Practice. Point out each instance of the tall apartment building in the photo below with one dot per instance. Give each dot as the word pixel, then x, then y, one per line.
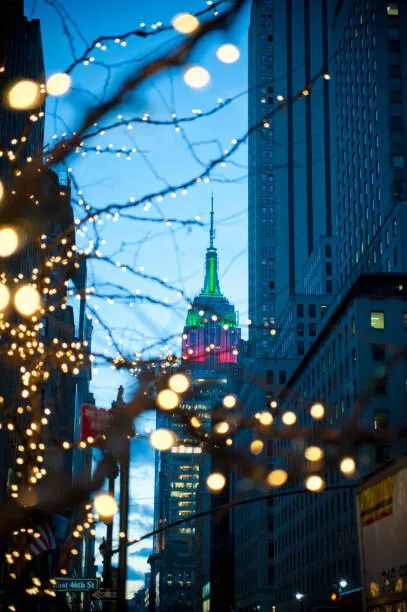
pixel 192 564
pixel 336 159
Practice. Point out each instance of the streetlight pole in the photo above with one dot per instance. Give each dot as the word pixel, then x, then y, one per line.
pixel 124 521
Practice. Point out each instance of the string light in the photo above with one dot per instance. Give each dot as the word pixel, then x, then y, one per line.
pixel 27 300
pixel 216 481
pixel 58 84
pixel 314 483
pixel 256 447
pixel 347 466
pixel 228 53
pixel 162 439
pixel 313 453
pixel 185 23
pixel 167 399
pixel 266 418
pixel 277 478
pixel 4 297
pixel 289 418
pixel 229 401
pixel 317 411
pixel 179 383
pixel 24 95
pixel 8 241
pixel 105 505
pixel 196 77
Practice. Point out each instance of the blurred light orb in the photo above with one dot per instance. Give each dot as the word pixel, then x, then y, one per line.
pixel 289 417
pixel 314 483
pixel 4 297
pixel 256 447
pixel 162 439
pixel 195 422
pixel 105 505
pixel 216 481
pixel 59 84
pixel 221 428
pixel 313 453
pixel 229 401
pixel 185 23
pixel 277 478
pixel 317 410
pixel 266 418
pixel 24 94
pixel 228 53
pixel 179 383
pixel 196 77
pixel 347 465
pixel 167 399
pixel 27 300
pixel 8 241
pixel 273 404
pixel 1 191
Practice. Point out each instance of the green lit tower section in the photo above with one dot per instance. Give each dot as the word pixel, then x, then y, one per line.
pixel 211 336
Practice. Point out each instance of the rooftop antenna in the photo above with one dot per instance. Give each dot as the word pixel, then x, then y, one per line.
pixel 212 230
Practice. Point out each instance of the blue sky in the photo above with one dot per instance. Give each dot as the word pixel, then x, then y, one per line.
pixel 161 157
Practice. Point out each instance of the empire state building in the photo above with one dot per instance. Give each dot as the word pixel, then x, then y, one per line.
pixel 211 335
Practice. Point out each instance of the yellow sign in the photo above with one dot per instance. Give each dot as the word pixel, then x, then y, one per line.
pixel 376 502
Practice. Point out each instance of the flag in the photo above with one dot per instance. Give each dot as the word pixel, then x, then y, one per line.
pixel 45 542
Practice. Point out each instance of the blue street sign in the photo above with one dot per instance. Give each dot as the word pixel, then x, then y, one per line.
pixel 76 584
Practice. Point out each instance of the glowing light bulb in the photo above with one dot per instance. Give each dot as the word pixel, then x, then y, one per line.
pixel 317 410
pixel 256 447
pixel 24 94
pixel 347 465
pixel 221 428
pixel 196 77
pixel 8 241
pixel 289 418
pixel 185 23
pixel 4 297
pixel 313 453
pixel 162 439
pixel 58 84
pixel 229 401
pixel 216 481
pixel 277 478
pixel 167 399
pixel 266 418
pixel 228 53
pixel 105 505
pixel 314 483
pixel 179 383
pixel 27 300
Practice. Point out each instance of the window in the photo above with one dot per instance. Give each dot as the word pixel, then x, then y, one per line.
pixel 281 377
pixel 378 352
pixel 377 319
pixel 382 453
pixel 300 348
pixel 381 419
pixel 392 9
pixel 313 329
pixel 269 377
pixel 312 310
pixel 300 310
pixel 381 387
pixel 405 320
pixel 300 329
pixel 397 161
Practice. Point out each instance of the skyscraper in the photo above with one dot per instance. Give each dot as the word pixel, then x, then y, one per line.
pixel 192 563
pixel 327 205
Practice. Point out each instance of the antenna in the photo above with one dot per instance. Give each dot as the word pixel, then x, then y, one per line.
pixel 212 230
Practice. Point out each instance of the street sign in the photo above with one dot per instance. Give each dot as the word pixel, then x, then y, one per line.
pixel 103 593
pixel 76 584
pixel 95 421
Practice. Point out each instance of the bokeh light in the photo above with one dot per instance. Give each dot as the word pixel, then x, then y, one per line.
pixel 221 428
pixel 27 300
pixel 179 383
pixel 256 447
pixel 216 481
pixel 162 439
pixel 266 418
pixel 1 191
pixel 196 77
pixel 167 399
pixel 185 23
pixel 4 297
pixel 24 95
pixel 229 401
pixel 105 505
pixel 317 410
pixel 228 53
pixel 347 465
pixel 59 84
pixel 313 453
pixel 289 417
pixel 314 483
pixel 8 241
pixel 277 478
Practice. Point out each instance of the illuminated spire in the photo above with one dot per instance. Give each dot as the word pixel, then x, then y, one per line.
pixel 211 285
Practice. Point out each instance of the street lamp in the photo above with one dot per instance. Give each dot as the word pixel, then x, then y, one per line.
pixel 343 583
pixel 300 598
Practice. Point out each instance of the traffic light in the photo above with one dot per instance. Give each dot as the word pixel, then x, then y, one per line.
pixel 334 597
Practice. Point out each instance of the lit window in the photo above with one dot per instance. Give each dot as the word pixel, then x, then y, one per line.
pixel 392 9
pixel 405 320
pixel 381 420
pixel 377 320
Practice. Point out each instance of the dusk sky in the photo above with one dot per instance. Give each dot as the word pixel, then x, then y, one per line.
pixel 163 157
